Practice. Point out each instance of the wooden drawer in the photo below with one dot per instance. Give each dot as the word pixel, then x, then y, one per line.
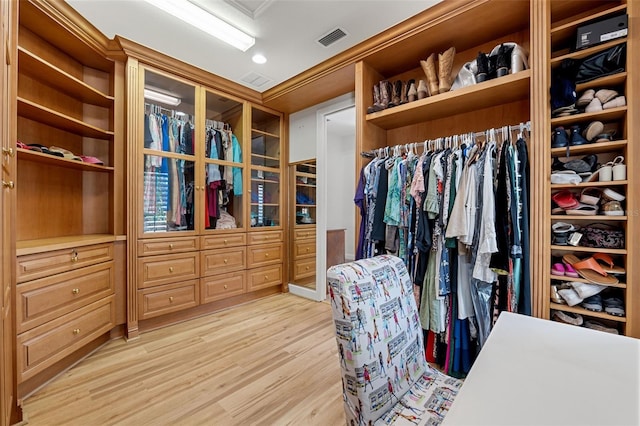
pixel 222 241
pixel 167 246
pixel 264 277
pixel 224 260
pixel 47 344
pixel 304 268
pixel 44 299
pixel 169 298
pixel 264 237
pixel 166 269
pixel 305 248
pixel 301 234
pixel 40 265
pixel 265 254
pixel 222 286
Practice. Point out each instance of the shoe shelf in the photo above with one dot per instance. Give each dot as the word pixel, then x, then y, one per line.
pixel 581 54
pixel 566 29
pixel 39 157
pixel 264 181
pixel 604 115
pixel 510 88
pixel 588 249
pixel 582 280
pixel 42 114
pixel 586 312
pixel 591 148
pixel 598 217
pixel 32 65
pixel 588 184
pixel 607 81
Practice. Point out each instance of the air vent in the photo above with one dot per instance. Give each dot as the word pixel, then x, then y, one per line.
pixel 332 37
pixel 255 79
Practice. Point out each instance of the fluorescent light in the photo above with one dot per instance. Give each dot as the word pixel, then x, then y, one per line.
pixel 259 59
pixel 203 20
pixel 161 97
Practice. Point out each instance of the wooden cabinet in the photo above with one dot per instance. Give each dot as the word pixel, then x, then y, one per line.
pixel 208 207
pixel 303 235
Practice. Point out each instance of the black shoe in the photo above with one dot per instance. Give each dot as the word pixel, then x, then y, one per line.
pixel 576 137
pixel 482 62
pixel 503 60
pixel 559 138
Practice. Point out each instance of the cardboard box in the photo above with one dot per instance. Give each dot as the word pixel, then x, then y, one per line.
pixel 592 34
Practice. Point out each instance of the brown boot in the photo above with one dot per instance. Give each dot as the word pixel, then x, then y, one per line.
pixel 376 100
pixel 396 94
pixel 385 94
pixel 429 68
pixel 412 93
pixel 445 63
pixel 422 90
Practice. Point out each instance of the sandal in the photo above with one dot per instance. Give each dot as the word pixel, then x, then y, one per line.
pixel 561 233
pixel 612 195
pixel 584 209
pixel 589 269
pixel 590 195
pixel 614 306
pixel 565 199
pixel 606 262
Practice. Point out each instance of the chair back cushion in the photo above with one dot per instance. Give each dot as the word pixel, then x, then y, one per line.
pixel 378 332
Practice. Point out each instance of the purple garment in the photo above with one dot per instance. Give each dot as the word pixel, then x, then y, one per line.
pixel 359 200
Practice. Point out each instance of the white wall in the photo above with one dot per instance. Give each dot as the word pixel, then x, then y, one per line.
pixel 341 152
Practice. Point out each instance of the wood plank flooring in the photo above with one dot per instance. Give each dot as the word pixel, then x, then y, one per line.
pixel 269 362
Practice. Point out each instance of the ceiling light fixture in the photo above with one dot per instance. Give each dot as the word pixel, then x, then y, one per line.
pixel 161 97
pixel 203 20
pixel 259 59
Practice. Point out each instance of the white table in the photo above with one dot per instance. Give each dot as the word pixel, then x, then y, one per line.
pixel 538 372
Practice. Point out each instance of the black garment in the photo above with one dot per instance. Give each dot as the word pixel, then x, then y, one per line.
pixel 148 140
pixel 500 259
pixel 524 304
pixel 378 226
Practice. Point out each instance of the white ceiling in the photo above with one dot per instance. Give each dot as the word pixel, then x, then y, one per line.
pixel 286 31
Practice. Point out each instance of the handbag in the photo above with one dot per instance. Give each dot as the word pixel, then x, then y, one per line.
pixel 607 62
pixel 602 235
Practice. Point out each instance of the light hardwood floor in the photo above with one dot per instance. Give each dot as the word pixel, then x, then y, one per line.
pixel 269 362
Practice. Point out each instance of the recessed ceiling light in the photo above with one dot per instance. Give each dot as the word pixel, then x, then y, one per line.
pixel 259 59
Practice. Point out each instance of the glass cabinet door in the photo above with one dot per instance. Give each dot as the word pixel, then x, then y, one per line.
pixel 223 163
pixel 265 169
pixel 305 187
pixel 169 161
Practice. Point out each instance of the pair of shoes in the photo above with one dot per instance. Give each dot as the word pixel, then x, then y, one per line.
pixel 614 306
pixel 589 269
pixel 561 269
pixel 381 96
pixel 560 139
pixel 439 82
pixel 595 325
pixel 588 163
pixel 613 170
pixel 567 317
pixel 593 303
pixel 561 232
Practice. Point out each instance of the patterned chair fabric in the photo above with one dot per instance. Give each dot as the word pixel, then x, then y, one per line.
pixel 385 377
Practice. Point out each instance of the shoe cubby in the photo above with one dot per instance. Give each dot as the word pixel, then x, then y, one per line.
pixel 607 149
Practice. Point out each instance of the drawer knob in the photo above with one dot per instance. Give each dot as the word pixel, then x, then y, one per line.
pixel 266 277
pixel 226 242
pixel 75 291
pixel 225 286
pixel 171 246
pixel 170 268
pixel 308 249
pixel 225 261
pixel 74 256
pixel 9 152
pixel 9 184
pixel 76 331
pixel 307 268
pixel 171 299
pixel 266 255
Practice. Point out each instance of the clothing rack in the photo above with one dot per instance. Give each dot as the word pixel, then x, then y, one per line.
pixel 157 109
pixel 217 125
pixel 500 134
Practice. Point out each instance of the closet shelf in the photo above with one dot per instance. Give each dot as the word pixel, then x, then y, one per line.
pixel 566 30
pixel 261 132
pixel 39 113
pixel 603 82
pixel 167 154
pixel 581 54
pixel 266 204
pixel 585 312
pixel 588 249
pixel 39 157
pixel 31 64
pixel 306 185
pixel 305 205
pixel 60 243
pixel 582 280
pixel 267 157
pixel 498 91
pixel 591 148
pixel 604 115
pixel 587 184
pixel 562 217
pixel 264 180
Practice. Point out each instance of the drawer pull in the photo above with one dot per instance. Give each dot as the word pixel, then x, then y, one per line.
pixel 170 268
pixel 266 255
pixel 308 249
pixel 76 331
pixel 225 286
pixel 225 261
pixel 266 277
pixel 171 246
pixel 171 299
pixel 9 152
pixel 9 184
pixel 75 291
pixel 74 256
pixel 307 268
pixel 226 242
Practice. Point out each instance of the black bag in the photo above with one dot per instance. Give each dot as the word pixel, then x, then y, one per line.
pixel 607 62
pixel 602 235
